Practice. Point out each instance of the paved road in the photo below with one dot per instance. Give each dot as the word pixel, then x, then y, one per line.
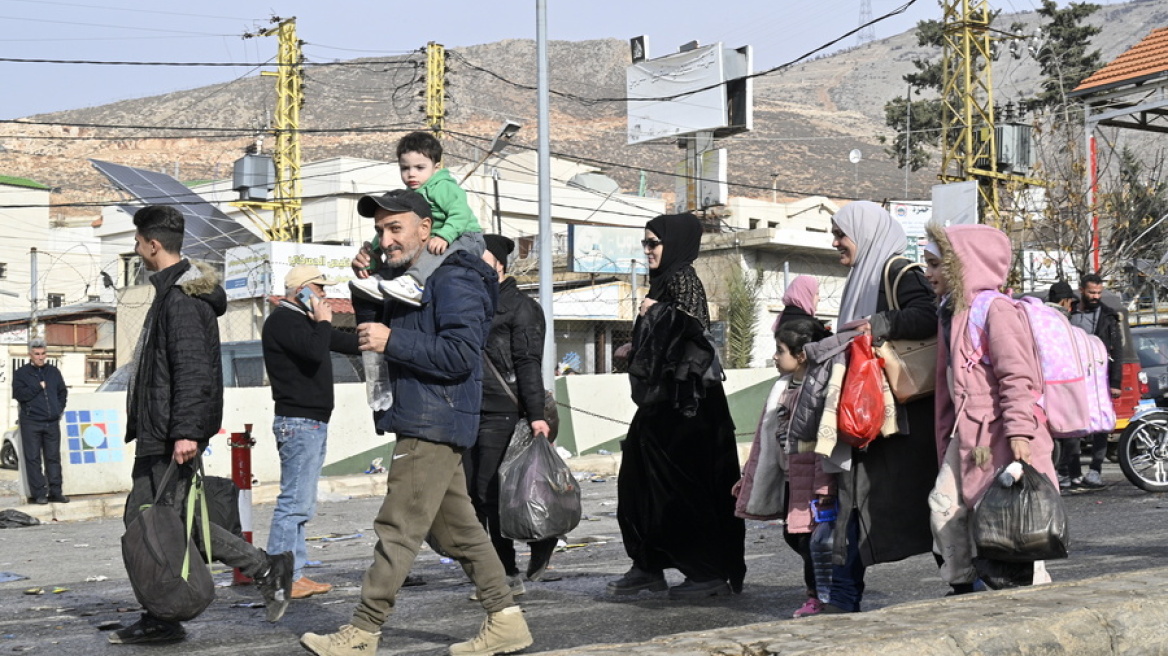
pixel 1116 529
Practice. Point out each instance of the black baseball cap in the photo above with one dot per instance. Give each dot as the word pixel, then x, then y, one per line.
pixel 399 200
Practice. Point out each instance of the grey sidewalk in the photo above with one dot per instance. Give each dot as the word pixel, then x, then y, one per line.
pixel 1116 614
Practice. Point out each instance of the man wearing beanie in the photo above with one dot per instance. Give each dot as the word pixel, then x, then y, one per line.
pixel 512 389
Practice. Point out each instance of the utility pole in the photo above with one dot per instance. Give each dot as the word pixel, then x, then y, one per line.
pixel 968 136
pixel 543 103
pixel 33 328
pixel 287 223
pixel 436 87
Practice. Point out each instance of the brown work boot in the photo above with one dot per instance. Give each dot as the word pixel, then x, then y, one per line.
pixel 347 641
pixel 304 587
pixel 502 633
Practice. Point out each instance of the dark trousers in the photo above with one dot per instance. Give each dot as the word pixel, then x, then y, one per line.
pixel 1070 462
pixel 226 547
pixel 481 463
pixel 40 443
pixel 847 580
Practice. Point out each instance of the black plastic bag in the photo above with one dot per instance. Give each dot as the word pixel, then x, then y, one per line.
pixel 1021 523
pixel 538 496
pixel 15 519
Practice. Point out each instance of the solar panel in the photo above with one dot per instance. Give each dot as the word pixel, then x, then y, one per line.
pixel 209 232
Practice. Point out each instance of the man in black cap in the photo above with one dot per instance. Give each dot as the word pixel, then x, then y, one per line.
pixel 512 388
pixel 1060 294
pixel 435 353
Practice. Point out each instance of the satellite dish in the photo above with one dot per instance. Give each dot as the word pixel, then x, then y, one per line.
pixel 855 156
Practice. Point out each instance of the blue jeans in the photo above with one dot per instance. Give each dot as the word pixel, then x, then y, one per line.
pixel 301 443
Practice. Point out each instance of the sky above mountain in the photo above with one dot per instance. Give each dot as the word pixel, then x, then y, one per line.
pixel 210 31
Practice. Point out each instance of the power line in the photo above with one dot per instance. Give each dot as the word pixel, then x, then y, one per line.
pixel 94 62
pixel 588 101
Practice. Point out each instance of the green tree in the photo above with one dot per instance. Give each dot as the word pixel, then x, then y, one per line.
pixel 922 129
pixel 741 316
pixel 1063 50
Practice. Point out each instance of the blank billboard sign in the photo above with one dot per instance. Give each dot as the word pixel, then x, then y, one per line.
pixel 687 92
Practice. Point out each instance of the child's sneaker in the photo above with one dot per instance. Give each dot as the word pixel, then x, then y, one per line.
pixel 810 607
pixel 367 288
pixel 404 288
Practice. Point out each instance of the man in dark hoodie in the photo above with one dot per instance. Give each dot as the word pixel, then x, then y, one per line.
pixel 512 388
pixel 1096 318
pixel 174 405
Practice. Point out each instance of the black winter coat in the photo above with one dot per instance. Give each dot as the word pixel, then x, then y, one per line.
pixel 177 389
pixel 515 347
pixel 37 403
pixel 890 481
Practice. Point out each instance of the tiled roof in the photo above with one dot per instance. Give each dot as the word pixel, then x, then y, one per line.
pixel 1148 57
pixel 21 182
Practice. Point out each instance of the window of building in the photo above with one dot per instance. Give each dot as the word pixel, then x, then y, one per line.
pixel 98 368
pixel 133 272
pixel 3 270
pixel 93 298
pixel 753 224
pixel 54 300
pixel 306 233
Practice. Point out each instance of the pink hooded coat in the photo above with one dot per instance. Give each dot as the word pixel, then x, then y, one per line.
pixel 984 405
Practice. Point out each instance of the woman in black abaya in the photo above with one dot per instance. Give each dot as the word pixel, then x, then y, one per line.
pixel 679 460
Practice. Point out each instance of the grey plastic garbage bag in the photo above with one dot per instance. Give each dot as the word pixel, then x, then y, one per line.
pixel 538 496
pixel 1021 523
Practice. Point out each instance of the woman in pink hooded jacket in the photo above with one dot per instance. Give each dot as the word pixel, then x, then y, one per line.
pixel 987 412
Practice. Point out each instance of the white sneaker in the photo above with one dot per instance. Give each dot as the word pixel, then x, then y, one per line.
pixel 1092 479
pixel 404 288
pixel 367 288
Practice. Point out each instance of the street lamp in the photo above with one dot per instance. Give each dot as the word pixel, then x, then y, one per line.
pixel 506 133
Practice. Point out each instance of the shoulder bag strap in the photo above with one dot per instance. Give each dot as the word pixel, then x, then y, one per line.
pixel 891 287
pixel 196 491
pixel 499 377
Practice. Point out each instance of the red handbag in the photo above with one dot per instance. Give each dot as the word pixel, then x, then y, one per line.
pixel 861 404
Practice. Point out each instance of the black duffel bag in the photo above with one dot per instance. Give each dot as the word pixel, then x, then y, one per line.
pixel 169 576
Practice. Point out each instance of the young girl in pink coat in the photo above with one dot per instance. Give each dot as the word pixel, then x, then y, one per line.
pixel 987 412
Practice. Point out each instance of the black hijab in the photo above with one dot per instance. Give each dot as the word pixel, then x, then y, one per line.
pixel 681 240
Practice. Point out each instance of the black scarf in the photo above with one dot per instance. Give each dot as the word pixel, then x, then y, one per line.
pixel 681 240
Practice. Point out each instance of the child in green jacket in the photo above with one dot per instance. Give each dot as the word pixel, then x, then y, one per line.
pixel 419 155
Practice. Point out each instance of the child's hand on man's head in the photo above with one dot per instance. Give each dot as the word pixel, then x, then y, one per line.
pixel 437 245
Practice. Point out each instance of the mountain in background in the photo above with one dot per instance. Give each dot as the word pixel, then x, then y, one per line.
pixel 807 117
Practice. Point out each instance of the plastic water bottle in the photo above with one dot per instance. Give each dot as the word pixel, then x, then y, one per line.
pixel 821 549
pixel 377 381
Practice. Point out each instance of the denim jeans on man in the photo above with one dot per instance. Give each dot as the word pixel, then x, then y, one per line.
pixel 301 443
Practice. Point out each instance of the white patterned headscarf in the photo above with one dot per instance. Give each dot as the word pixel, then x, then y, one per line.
pixel 878 237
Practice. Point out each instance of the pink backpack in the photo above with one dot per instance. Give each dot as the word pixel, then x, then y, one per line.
pixel 1073 364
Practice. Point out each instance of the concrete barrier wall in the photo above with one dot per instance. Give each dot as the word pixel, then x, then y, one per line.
pixel 595 411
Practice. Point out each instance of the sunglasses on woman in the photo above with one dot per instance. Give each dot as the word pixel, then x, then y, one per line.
pixel 650 243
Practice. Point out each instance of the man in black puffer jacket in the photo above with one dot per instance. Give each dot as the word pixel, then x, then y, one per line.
pixel 512 388
pixel 174 405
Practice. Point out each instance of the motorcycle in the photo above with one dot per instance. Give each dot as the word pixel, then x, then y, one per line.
pixel 1143 449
